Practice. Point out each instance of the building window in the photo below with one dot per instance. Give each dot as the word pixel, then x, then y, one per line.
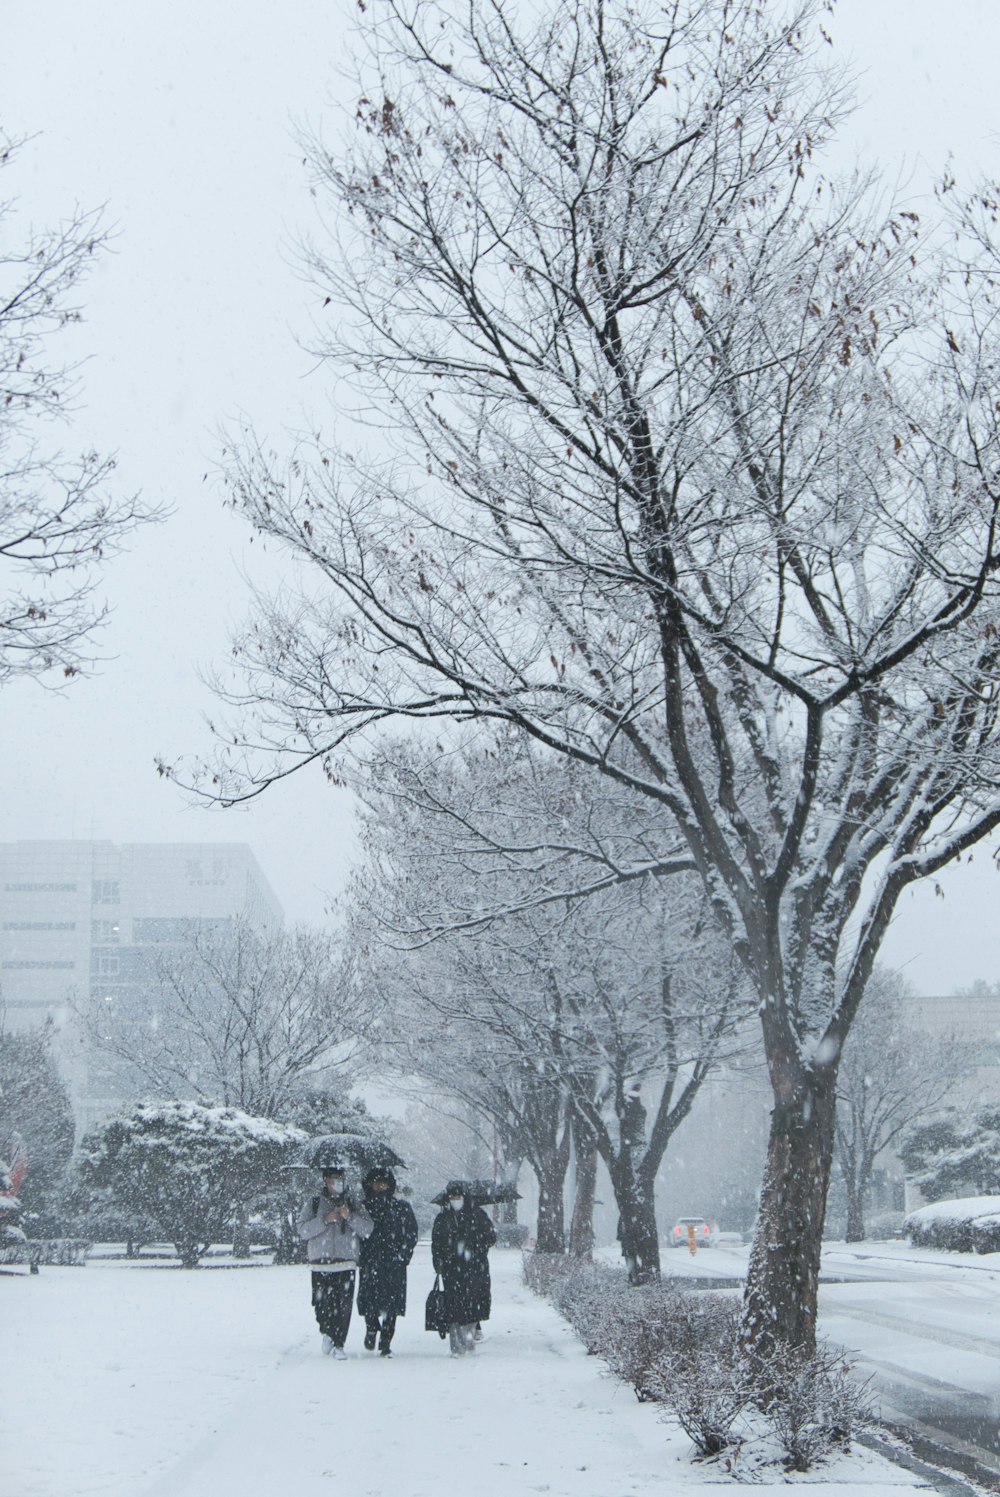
pixel 106 891
pixel 39 925
pixel 174 929
pixel 105 932
pixel 40 888
pixel 38 966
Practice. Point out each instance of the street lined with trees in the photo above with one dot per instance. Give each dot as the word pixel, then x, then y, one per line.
pixel 685 469
pixel 592 1023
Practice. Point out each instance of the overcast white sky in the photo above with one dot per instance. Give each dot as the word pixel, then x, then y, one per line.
pixel 179 115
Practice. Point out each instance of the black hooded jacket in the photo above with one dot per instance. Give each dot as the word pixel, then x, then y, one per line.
pixel 385 1254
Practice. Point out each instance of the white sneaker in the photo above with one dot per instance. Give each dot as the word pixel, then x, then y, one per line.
pixel 326 1345
pixel 339 1354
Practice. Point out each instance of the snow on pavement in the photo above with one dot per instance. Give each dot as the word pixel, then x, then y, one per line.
pixel 141 1380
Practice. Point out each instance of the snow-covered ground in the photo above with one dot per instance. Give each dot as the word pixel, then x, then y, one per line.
pixel 146 1380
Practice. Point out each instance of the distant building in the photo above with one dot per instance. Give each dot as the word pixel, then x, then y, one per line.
pixel 973 1018
pixel 79 918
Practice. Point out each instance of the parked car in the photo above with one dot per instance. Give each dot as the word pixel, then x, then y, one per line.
pixel 706 1232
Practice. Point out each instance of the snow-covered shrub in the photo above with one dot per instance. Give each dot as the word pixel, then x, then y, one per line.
pixel 966 1225
pixel 682 1349
pixel 701 1377
pixel 676 1347
pixel 590 1297
pixel 512 1234
pixel 639 1333
pixel 883 1226
pixel 189 1167
pixel 812 1403
pixel 95 1213
pixel 543 1271
pixel 986 1234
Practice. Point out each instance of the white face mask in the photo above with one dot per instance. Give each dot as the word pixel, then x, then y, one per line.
pixel 456 1205
pixel 335 1187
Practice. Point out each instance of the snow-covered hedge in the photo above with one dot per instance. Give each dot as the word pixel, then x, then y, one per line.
pixel 682 1349
pixel 968 1225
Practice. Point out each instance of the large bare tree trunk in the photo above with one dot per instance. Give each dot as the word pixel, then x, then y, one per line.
pixel 550 1236
pixel 783 1277
pixel 581 1230
pixel 508 1209
pixel 855 1212
pixel 637 1231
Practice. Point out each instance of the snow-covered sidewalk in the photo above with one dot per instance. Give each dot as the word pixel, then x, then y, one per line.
pixel 135 1380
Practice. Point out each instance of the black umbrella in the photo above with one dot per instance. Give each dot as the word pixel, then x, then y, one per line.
pixel 480 1192
pixel 352 1150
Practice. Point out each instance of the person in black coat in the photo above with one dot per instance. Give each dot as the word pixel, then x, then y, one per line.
pixel 383 1259
pixel 461 1238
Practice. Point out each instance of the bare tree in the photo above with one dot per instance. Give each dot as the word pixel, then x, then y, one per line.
pixel 236 1016
pixel 890 1076
pixel 462 1019
pixel 58 518
pixel 600 1018
pixel 35 1104
pixel 687 469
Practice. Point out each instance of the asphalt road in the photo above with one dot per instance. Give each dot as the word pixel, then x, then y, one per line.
pixel 923 1327
pixel 926 1330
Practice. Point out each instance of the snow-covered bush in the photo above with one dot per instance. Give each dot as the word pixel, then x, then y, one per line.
pixel 813 1404
pixel 544 1271
pixel 591 1298
pixel 95 1213
pixel 641 1335
pixel 968 1225
pixel 672 1346
pixel 885 1225
pixel 191 1168
pixel 682 1349
pixel 702 1377
pixel 986 1234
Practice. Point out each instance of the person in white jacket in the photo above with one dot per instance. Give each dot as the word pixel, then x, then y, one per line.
pixel 333 1226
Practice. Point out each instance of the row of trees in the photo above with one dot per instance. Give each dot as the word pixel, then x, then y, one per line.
pixel 686 477
pixel 585 1026
pixel 686 472
pixel 568 1037
pixel 190 1172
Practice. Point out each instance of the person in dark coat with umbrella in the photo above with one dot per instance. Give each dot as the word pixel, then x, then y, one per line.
pixel 461 1238
pixel 383 1259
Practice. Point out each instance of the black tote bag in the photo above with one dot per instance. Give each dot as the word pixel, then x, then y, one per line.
pixel 434 1312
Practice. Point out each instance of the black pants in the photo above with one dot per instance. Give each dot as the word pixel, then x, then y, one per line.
pixel 333 1301
pixel 384 1327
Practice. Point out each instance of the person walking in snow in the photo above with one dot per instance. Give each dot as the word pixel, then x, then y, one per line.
pixel 461 1238
pixel 333 1227
pixel 383 1259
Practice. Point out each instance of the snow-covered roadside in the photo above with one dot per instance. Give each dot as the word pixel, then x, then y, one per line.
pixel 129 1380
